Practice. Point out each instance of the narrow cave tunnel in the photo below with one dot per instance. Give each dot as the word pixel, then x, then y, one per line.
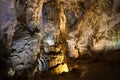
pixel 59 39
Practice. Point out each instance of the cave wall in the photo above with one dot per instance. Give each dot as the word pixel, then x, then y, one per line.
pixel 97 29
pixel 70 27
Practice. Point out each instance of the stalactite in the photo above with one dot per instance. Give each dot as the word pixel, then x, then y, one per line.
pixel 62 23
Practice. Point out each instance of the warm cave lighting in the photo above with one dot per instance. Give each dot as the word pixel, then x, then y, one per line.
pixel 59 39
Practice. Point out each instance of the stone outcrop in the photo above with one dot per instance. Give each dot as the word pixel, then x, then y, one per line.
pixel 98 31
pixel 56 28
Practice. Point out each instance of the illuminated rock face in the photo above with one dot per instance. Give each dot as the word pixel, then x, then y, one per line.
pixel 49 35
pixel 81 27
pixel 98 31
pixel 24 51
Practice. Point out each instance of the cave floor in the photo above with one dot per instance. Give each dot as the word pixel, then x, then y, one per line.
pixel 105 68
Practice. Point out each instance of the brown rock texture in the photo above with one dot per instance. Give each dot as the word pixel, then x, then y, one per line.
pixel 45 36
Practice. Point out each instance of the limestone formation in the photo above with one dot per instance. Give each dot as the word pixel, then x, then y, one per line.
pixel 56 29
